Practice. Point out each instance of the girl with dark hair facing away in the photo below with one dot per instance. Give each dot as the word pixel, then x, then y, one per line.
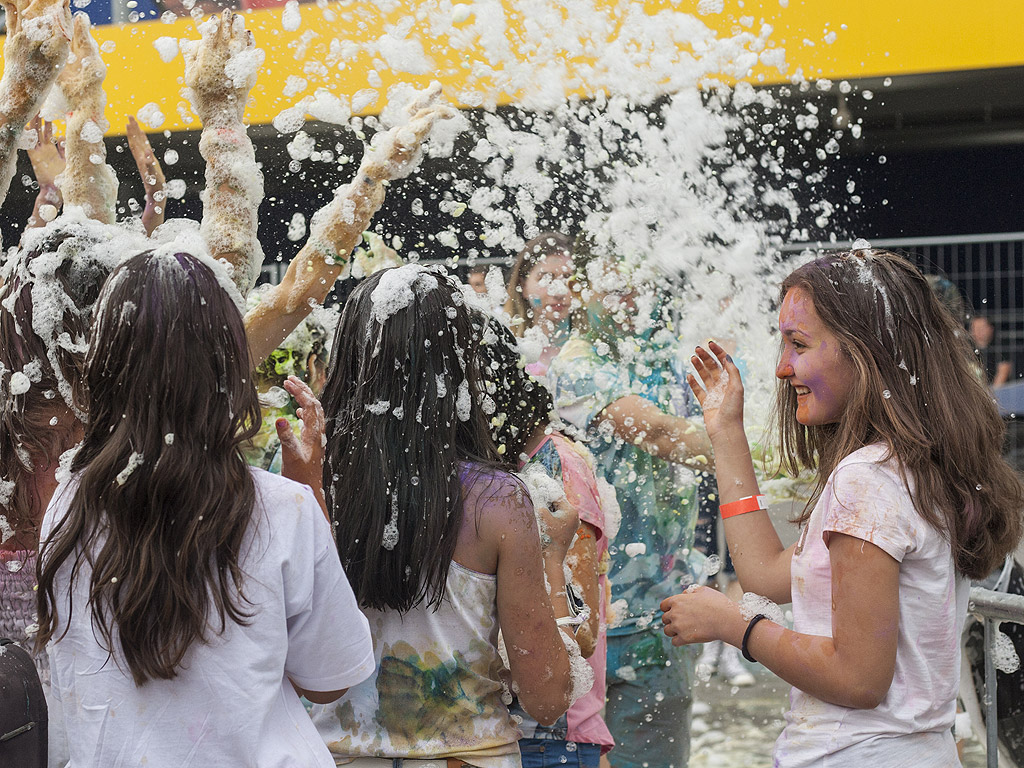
pixel 185 596
pixel 877 394
pixel 528 441
pixel 441 545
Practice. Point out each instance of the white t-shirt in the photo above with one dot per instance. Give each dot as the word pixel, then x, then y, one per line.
pixel 231 703
pixel 867 499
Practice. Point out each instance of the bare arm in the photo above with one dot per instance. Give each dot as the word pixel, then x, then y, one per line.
pixel 319 697
pixel 35 50
pixel 762 563
pixel 152 176
pixel 853 668
pixel 672 438
pixel 526 612
pixel 582 561
pixel 220 70
pixel 88 181
pixel 337 227
pixel 1003 371
pixel 47 158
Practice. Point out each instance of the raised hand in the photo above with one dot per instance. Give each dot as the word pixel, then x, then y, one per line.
pixel 396 152
pixel 47 158
pixel 221 68
pixel 152 176
pixel 82 78
pixel 720 390
pixel 302 457
pixel 36 47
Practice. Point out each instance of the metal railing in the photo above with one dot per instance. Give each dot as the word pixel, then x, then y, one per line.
pixel 988 270
pixel 993 608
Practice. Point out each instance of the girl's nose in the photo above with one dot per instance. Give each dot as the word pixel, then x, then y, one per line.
pixel 783 370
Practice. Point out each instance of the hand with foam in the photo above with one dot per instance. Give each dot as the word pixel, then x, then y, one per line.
pixel 396 152
pixel 35 50
pixel 221 68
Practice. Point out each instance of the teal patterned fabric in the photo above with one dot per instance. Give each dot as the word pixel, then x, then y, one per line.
pixel 652 557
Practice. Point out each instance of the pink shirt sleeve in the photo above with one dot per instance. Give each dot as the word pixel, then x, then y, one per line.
pixel 580 486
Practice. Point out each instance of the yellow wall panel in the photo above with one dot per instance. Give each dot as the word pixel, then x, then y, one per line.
pixel 868 38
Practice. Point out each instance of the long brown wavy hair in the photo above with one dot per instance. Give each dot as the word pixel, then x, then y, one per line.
pixel 915 391
pixel 536 250
pixel 46 344
pixel 164 497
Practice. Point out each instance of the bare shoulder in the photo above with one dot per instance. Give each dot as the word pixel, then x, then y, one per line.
pixel 497 503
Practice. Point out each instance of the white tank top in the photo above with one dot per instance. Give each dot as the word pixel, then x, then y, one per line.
pixel 437 690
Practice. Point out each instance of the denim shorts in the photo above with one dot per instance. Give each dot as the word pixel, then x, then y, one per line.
pixel 548 753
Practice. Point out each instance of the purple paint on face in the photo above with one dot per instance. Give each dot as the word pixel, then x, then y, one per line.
pixel 812 362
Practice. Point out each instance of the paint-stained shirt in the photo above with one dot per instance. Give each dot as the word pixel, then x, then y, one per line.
pixel 232 702
pixel 866 498
pixel 437 688
pixel 652 556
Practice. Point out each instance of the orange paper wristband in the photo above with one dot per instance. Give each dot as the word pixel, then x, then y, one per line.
pixel 741 507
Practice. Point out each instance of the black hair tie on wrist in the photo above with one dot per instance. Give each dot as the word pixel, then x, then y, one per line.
pixel 746 637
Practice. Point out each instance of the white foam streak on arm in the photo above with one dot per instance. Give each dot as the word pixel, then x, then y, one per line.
pixel 220 70
pixel 88 181
pixel 337 227
pixel 35 49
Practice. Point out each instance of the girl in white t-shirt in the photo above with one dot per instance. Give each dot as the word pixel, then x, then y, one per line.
pixel 877 394
pixel 188 601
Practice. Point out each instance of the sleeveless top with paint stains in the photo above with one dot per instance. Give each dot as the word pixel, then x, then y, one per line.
pixel 437 688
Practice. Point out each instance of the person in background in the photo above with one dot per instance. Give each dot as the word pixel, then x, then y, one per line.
pixel 477 278
pixel 718 657
pixel 539 298
pixel 441 545
pixel 187 599
pixel 526 438
pixel 877 395
pixel 616 379
pixel 997 369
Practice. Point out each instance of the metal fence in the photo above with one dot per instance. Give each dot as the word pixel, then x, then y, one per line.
pixel 988 270
pixel 993 608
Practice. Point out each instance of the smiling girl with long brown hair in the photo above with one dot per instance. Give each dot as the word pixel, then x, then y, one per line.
pixel 876 394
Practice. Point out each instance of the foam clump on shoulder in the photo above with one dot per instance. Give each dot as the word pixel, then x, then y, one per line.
pixel 543 489
pixel 398 289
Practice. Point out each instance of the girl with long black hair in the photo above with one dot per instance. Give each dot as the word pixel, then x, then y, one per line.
pixel 186 597
pixel 441 545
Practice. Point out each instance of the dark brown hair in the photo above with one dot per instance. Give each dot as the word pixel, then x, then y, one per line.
pixel 916 392
pixel 39 423
pixel 164 497
pixel 403 421
pixel 517 403
pixel 536 250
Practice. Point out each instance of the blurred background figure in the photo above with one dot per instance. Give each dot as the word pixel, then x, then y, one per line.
pixel 997 368
pixel 539 296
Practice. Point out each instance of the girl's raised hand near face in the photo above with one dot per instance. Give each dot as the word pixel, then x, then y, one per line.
pixel 720 390
pixel 302 457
